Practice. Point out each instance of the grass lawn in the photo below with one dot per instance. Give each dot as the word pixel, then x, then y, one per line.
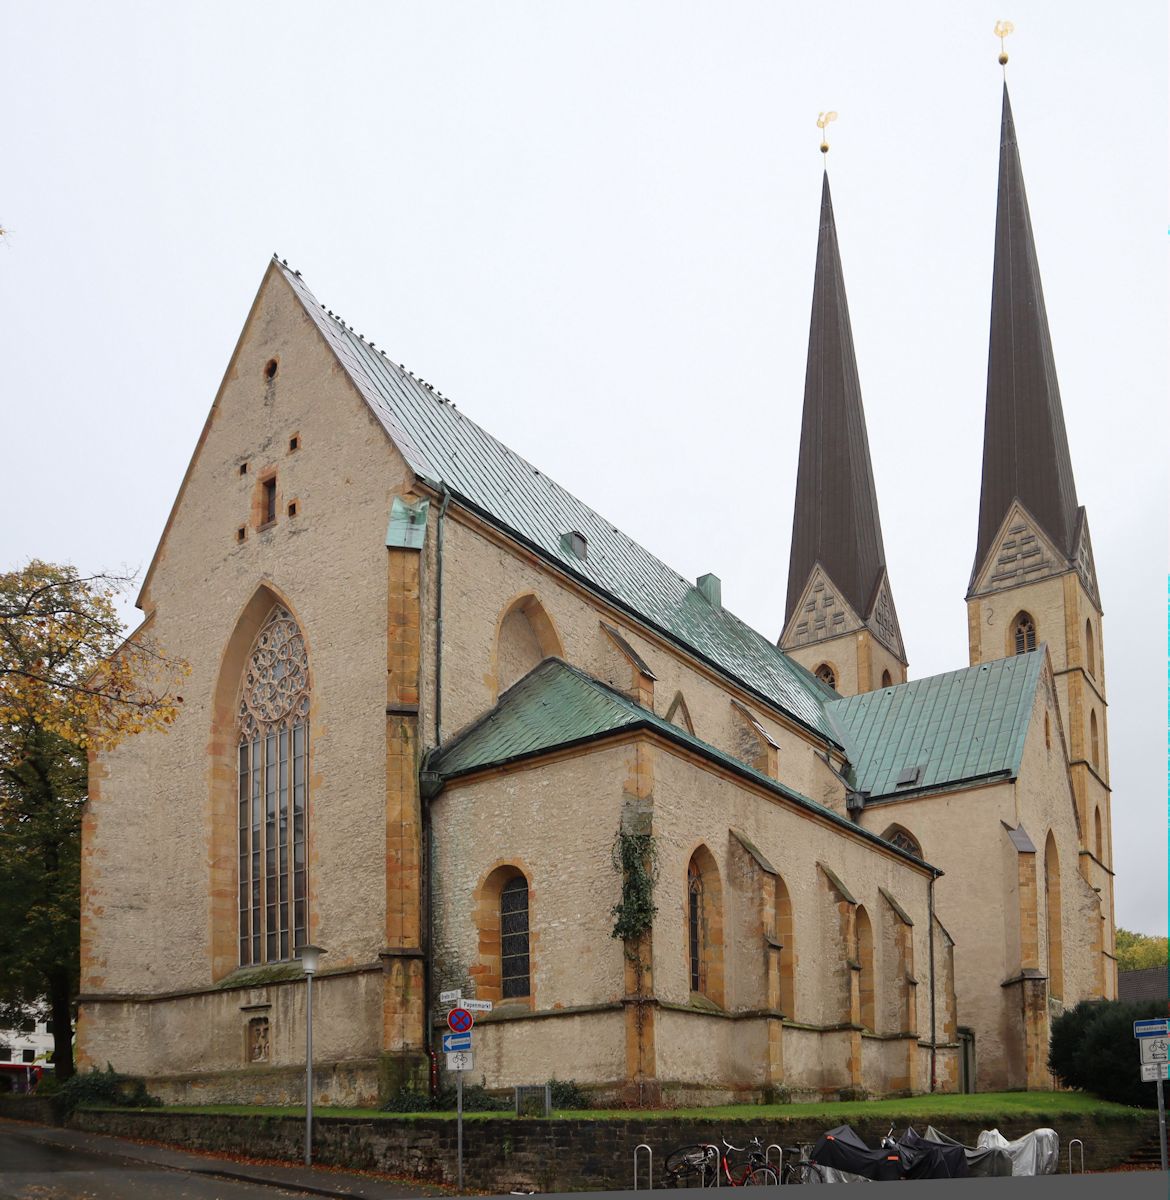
pixel 991 1107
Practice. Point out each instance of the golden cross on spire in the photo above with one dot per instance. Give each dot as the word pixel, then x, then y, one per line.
pixel 823 120
pixel 1002 29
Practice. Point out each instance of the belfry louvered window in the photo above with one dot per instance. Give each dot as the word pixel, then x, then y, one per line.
pixel 1025 633
pixel 274 793
pixel 514 957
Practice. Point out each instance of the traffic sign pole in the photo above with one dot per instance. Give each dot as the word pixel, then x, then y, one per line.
pixel 1161 1124
pixel 459 1123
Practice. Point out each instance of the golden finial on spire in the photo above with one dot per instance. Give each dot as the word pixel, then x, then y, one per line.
pixel 1002 29
pixel 823 120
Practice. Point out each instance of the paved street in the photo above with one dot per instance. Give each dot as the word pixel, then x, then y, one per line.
pixel 42 1163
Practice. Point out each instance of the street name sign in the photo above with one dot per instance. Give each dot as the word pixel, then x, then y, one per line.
pixel 459 1020
pixel 477 1005
pixel 450 997
pixel 461 1060
pixel 1154 1050
pixel 1158 1027
pixel 1152 1072
pixel 453 1042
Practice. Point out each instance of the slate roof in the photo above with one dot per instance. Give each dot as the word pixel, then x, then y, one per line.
pixel 1025 446
pixel 443 446
pixel 1147 983
pixel 959 727
pixel 835 520
pixel 557 705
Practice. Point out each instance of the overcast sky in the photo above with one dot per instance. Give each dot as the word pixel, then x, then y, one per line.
pixel 593 225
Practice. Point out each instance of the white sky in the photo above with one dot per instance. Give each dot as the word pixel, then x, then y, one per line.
pixel 593 226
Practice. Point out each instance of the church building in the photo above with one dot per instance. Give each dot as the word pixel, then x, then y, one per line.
pixel 452 725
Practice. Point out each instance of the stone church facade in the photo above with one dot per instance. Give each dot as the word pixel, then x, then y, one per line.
pixel 435 699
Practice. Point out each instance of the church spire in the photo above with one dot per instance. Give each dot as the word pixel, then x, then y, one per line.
pixel 1025 448
pixel 836 534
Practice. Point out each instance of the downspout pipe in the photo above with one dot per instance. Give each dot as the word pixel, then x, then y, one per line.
pixel 425 793
pixel 933 1010
pixel 442 524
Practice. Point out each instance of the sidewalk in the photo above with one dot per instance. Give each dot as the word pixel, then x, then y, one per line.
pixel 317 1181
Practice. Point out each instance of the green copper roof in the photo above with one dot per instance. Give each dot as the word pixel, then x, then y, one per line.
pixel 444 447
pixel 964 725
pixel 556 705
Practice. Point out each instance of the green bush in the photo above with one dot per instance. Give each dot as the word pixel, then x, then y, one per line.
pixel 476 1098
pixel 103 1088
pixel 1093 1049
pixel 567 1094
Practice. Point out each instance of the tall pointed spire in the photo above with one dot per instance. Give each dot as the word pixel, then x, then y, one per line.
pixel 1025 448
pixel 835 524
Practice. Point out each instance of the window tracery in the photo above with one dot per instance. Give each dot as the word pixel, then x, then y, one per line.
pixel 273 721
pixel 1025 633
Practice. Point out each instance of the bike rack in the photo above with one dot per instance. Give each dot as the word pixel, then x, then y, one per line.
pixel 718 1162
pixel 649 1165
pixel 779 1159
pixel 1076 1142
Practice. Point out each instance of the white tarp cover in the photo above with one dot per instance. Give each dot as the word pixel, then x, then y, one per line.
pixel 1036 1153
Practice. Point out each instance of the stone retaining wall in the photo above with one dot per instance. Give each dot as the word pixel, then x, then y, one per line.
pixel 501 1154
pixel 28 1108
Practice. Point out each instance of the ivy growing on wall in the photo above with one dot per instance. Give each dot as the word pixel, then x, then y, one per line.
pixel 635 858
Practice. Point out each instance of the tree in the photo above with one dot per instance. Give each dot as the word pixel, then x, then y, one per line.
pixel 1093 1048
pixel 1138 950
pixel 69 682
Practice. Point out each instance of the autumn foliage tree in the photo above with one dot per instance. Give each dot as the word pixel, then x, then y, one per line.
pixel 69 682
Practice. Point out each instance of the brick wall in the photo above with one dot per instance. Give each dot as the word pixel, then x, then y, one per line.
pixel 559 1155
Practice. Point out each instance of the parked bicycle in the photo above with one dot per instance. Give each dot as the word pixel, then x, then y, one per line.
pixel 755 1172
pixel 690 1166
pixel 797 1169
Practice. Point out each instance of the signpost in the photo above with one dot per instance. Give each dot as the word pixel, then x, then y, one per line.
pixel 1153 1038
pixel 460 1058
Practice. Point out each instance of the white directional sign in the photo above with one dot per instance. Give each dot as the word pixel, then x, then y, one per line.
pixel 477 1005
pixel 1152 1027
pixel 461 1060
pixel 1155 1050
pixel 1152 1072
pixel 450 997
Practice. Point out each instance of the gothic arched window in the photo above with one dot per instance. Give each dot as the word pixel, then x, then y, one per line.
pixel 705 925
pixel 826 674
pixel 904 840
pixel 1094 741
pixel 887 680
pixel 1024 633
pixel 515 978
pixel 695 924
pixel 1090 655
pixel 274 793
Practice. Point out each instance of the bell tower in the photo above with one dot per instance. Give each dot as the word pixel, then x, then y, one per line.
pixel 840 620
pixel 1033 580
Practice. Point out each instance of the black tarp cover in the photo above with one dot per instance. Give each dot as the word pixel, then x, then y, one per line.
pixel 842 1150
pixel 926 1158
pixel 980 1162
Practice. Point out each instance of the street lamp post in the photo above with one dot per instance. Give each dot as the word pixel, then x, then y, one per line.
pixel 310 960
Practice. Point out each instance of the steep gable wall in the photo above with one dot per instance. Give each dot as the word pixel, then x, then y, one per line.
pixel 157 840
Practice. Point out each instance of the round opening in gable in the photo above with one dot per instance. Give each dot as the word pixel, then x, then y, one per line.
pixel 270 369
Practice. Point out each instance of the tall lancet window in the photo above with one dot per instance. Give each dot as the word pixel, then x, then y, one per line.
pixel 274 793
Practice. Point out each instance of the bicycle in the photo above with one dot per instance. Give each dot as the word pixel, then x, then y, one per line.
pixel 690 1166
pixel 797 1169
pixel 755 1172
